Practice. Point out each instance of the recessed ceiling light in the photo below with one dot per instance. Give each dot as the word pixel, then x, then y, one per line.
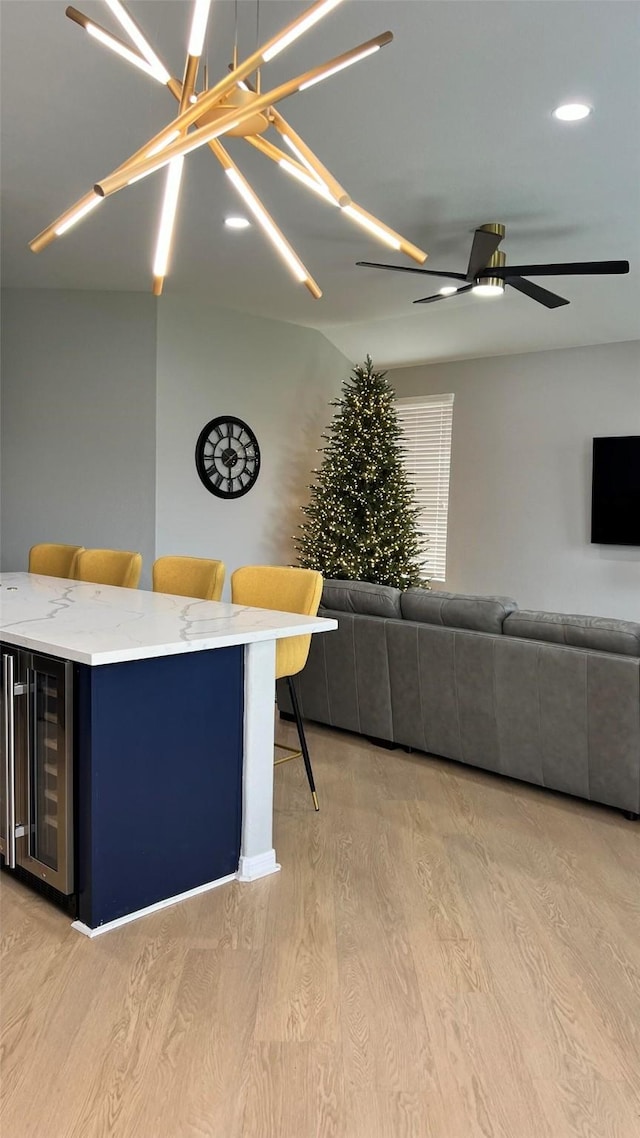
pixel 448 290
pixel 237 222
pixel 572 112
pixel 488 290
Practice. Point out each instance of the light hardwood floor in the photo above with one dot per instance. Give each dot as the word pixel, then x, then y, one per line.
pixel 445 955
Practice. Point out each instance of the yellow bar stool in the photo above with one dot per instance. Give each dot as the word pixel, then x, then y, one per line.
pixel 285 590
pixel 54 560
pixel 189 577
pixel 110 567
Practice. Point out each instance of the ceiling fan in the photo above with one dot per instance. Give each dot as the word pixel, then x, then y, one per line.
pixel 487 272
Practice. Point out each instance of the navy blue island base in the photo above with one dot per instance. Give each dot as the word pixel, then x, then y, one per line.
pixel 159 750
pixel 151 774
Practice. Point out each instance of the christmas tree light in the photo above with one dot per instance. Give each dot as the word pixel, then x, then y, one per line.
pixel 361 521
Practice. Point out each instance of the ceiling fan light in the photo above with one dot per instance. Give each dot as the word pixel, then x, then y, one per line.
pixel 572 112
pixel 448 290
pixel 489 287
pixel 237 222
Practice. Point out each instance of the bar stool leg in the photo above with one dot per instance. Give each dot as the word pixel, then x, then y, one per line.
pixel 303 741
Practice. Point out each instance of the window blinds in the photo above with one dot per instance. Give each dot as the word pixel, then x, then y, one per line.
pixel 426 426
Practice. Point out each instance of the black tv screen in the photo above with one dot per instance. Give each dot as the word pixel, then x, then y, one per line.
pixel 615 498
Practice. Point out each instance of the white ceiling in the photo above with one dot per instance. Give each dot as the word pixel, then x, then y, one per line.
pixel 446 128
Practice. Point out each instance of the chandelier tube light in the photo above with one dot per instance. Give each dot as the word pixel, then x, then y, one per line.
pixel 136 34
pixel 383 232
pixel 198 27
pixel 189 82
pixel 261 216
pixel 298 28
pixel 66 220
pixel 306 155
pixel 339 67
pixel 374 227
pixel 232 105
pixel 52 231
pixel 167 222
pixel 268 225
pixel 294 150
pixel 356 212
pixel 156 149
pixel 114 44
pixel 77 213
pixel 330 187
pixel 227 122
pixel 194 50
pixel 288 164
pixel 120 49
pixel 307 180
pixel 251 63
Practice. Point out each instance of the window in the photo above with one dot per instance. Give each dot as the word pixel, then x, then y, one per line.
pixel 426 424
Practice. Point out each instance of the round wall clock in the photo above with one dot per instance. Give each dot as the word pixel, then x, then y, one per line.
pixel 227 457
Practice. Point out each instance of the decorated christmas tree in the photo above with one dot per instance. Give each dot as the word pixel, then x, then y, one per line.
pixel 361 522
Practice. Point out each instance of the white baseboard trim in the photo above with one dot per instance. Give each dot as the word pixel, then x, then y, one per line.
pixel 249 869
pixel 120 921
pixel 261 865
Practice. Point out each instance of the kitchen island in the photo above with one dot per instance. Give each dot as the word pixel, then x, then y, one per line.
pixel 173 725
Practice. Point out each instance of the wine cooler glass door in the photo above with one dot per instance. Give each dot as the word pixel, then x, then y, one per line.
pixel 48 846
pixel 7 757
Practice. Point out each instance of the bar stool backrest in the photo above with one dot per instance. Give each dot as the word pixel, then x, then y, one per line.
pixel 285 590
pixel 110 567
pixel 54 560
pixel 189 577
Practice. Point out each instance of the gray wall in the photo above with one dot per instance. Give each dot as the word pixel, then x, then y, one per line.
pixel 103 397
pixel 520 499
pixel 279 378
pixel 78 421
pixel 104 394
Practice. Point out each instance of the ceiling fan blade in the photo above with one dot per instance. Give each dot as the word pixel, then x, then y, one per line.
pixel 483 247
pixel 442 296
pixel 410 269
pixel 542 295
pixel 571 268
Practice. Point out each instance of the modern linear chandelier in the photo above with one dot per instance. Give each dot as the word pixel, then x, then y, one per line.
pixel 234 106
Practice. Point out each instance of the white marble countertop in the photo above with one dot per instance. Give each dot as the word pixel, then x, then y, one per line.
pixel 101 624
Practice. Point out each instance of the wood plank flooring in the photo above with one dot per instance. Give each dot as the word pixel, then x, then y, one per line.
pixel 445 954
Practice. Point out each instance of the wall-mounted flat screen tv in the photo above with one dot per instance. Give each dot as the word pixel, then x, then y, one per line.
pixel 615 497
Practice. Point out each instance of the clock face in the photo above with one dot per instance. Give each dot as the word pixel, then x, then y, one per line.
pixel 227 457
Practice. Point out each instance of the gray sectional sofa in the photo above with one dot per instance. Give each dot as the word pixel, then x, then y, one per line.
pixel 550 699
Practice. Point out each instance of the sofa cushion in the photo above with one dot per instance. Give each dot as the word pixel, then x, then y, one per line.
pixel 595 632
pixel 456 610
pixel 361 597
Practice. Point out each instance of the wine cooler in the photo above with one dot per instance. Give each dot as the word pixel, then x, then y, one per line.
pixel 36 776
